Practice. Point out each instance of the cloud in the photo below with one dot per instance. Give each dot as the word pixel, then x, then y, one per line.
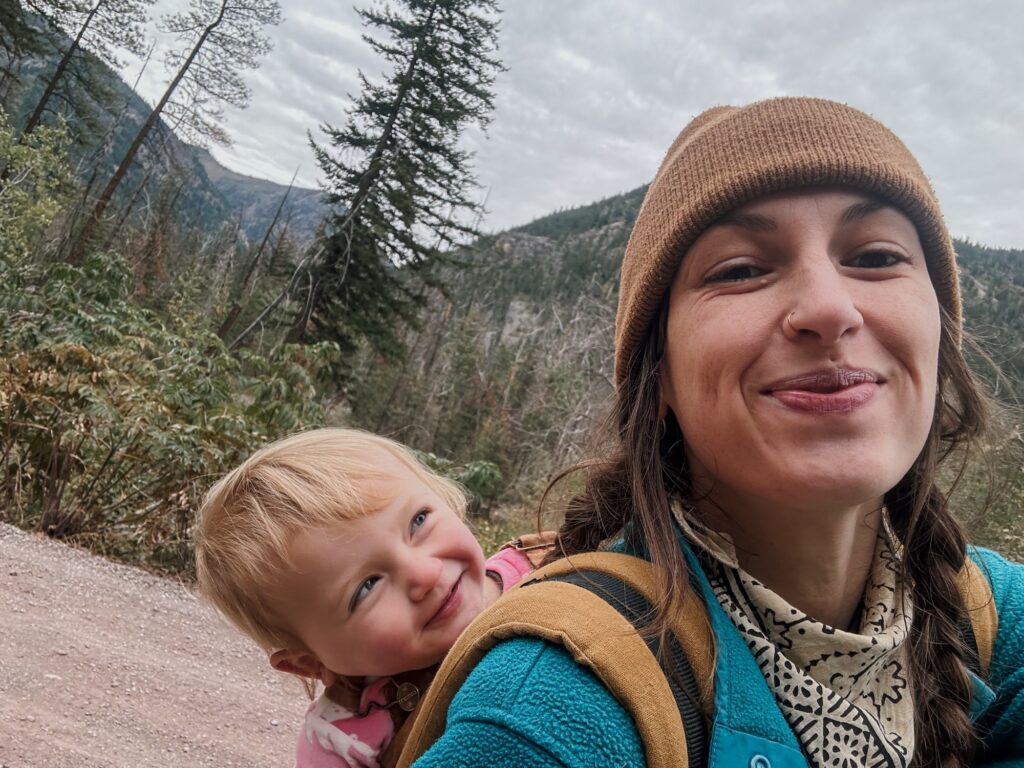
pixel 596 91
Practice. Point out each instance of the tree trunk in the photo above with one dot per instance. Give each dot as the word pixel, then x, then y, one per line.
pixel 154 117
pixel 55 521
pixel 373 167
pixel 62 65
pixel 373 170
pixel 229 321
pixel 398 385
pixel 236 306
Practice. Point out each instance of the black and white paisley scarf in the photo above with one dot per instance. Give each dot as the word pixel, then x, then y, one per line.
pixel 846 695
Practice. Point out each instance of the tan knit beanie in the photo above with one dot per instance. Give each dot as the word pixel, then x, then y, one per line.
pixel 730 156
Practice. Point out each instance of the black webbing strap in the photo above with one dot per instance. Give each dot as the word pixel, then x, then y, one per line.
pixel 971 657
pixel 638 611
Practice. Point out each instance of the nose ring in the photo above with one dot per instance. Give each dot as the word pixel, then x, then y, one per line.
pixel 789 322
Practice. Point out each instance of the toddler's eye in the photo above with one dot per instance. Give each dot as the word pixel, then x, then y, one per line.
pixel 876 259
pixel 735 273
pixel 418 519
pixel 364 590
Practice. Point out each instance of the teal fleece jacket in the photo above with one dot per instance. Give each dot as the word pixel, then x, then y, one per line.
pixel 529 704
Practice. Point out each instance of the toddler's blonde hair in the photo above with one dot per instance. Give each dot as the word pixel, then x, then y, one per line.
pixel 305 481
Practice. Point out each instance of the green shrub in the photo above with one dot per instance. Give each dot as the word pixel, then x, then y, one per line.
pixel 116 420
pixel 35 183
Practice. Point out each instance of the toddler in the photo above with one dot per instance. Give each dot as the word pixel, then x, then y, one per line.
pixel 350 563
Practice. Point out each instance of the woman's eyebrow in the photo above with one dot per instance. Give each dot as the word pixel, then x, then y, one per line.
pixel 861 209
pixel 751 221
pixel 760 223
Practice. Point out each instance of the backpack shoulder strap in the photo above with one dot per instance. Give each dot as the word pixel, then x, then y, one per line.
pixel 597 636
pixel 639 611
pixel 979 628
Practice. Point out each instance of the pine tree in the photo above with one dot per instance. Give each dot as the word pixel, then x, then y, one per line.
pixel 19 38
pixel 396 174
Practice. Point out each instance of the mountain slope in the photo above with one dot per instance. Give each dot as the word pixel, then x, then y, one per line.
pixel 514 366
pixel 205 193
pixel 577 247
pixel 257 200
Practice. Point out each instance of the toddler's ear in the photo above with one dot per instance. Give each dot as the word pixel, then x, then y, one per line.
pixel 303 664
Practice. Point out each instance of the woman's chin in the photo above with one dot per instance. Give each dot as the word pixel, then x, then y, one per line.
pixel 847 483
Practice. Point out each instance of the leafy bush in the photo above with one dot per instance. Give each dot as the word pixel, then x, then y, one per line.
pixel 115 419
pixel 35 182
pixel 481 479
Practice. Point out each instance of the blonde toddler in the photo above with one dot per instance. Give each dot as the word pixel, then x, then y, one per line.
pixel 350 563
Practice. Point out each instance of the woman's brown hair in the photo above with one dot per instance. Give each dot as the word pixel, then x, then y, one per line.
pixel 629 493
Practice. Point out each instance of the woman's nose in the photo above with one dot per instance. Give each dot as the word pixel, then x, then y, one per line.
pixel 423 573
pixel 821 307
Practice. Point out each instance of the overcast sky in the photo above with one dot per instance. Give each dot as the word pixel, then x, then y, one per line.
pixel 597 89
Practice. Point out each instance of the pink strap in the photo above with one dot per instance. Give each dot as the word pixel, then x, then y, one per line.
pixel 510 565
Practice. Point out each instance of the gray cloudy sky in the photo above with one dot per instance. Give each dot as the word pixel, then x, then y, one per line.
pixel 597 90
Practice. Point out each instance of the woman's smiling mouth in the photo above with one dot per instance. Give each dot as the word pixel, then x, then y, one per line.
pixel 828 391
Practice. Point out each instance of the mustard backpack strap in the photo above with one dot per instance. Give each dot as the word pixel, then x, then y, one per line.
pixel 691 628
pixel 983 619
pixel 597 636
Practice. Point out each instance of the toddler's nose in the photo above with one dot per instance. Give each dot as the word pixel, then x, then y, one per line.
pixel 424 573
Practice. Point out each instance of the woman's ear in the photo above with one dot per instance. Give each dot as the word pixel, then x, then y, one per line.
pixel 303 664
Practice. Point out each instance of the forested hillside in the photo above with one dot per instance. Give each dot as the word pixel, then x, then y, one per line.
pixel 150 338
pixel 151 334
pixel 992 281
pixel 103 114
pixel 515 367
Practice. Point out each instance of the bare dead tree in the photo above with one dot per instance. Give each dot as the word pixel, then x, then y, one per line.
pixel 219 39
pixel 236 305
pixel 100 27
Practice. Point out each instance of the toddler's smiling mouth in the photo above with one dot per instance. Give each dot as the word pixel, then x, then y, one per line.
pixel 449 605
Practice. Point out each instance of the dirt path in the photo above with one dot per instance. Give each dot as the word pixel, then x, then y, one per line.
pixel 104 665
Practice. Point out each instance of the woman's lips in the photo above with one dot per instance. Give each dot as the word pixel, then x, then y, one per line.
pixel 836 390
pixel 450 605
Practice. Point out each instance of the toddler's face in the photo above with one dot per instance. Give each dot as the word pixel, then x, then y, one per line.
pixel 390 592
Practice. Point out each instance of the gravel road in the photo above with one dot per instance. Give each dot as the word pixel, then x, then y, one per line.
pixel 106 665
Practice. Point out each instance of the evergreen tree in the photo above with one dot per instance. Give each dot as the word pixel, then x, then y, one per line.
pixel 19 38
pixel 399 181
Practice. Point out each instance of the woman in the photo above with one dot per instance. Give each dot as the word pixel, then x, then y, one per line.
pixel 789 380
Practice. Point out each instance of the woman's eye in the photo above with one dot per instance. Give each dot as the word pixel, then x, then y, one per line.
pixel 418 519
pixel 735 273
pixel 876 259
pixel 364 590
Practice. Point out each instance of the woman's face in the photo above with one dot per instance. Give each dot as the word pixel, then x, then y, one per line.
pixel 801 352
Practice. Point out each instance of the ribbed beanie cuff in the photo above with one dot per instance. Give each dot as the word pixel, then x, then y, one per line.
pixel 730 156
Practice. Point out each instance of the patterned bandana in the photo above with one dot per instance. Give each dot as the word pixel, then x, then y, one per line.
pixel 846 695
